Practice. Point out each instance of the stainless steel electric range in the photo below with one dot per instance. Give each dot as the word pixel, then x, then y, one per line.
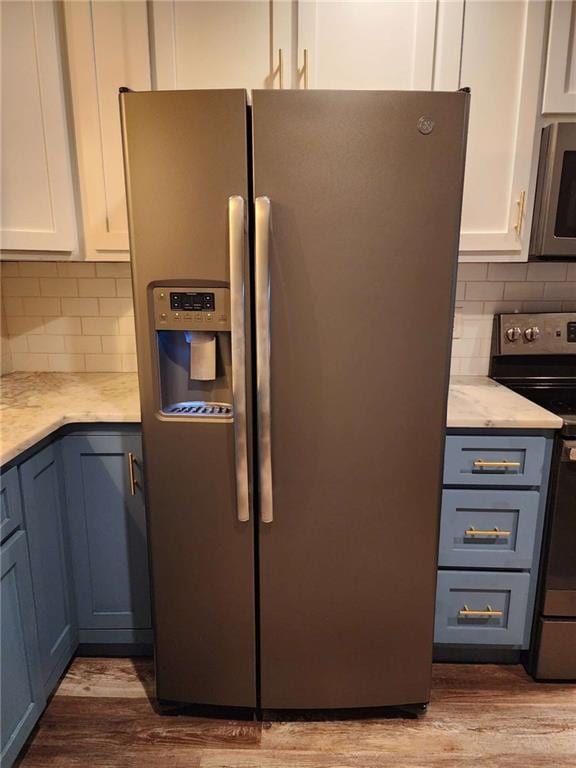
pixel 535 355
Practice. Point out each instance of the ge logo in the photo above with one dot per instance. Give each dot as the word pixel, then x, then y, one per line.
pixel 425 125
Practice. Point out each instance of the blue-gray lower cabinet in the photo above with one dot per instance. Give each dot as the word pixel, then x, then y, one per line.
pixel 49 562
pixel 23 697
pixel 107 522
pixel 493 507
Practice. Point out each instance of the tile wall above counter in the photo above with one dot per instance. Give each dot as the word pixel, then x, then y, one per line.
pixel 69 316
pixel 484 290
pixel 79 316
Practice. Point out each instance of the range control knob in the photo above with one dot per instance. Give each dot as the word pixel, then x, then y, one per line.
pixel 513 334
pixel 531 334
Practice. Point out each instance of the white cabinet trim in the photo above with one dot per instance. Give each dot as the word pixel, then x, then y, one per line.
pixel 164 74
pixel 102 241
pixel 559 92
pixel 448 54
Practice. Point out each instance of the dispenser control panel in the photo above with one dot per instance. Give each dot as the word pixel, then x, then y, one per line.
pixel 192 302
pixel 191 309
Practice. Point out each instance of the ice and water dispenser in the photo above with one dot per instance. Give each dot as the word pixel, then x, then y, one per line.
pixel 194 351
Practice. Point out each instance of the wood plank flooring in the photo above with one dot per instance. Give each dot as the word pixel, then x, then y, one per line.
pixel 480 716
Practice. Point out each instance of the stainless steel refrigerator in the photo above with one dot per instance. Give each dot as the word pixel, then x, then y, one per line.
pixel 294 270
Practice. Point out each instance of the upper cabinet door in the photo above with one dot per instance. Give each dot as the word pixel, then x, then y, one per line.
pixel 107 48
pixel 501 55
pixel 37 194
pixel 560 83
pixel 221 44
pixel 382 45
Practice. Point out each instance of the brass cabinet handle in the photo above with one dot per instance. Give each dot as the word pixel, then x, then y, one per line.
pixel 494 533
pixel 131 474
pixel 280 68
pixel 466 612
pixel 305 68
pixel 479 463
pixel 520 216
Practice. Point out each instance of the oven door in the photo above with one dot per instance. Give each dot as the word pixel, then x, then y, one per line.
pixel 560 574
pixel 554 225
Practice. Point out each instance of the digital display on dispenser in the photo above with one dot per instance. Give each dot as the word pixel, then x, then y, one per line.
pixel 192 302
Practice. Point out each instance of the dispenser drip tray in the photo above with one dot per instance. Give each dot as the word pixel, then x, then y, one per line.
pixel 199 409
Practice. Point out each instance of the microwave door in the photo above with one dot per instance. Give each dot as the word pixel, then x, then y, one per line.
pixel 554 227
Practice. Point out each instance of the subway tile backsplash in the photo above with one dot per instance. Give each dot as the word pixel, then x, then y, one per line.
pixel 62 316
pixel 67 316
pixel 487 289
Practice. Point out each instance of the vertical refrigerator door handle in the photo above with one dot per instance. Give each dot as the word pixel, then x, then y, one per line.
pixel 262 290
pixel 236 230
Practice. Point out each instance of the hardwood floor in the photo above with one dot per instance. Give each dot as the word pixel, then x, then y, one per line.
pixel 480 716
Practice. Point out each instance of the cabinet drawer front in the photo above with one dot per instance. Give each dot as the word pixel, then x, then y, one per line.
pixel 10 503
pixel 481 608
pixel 488 529
pixel 493 460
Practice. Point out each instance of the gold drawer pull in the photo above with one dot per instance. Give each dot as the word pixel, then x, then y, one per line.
pixel 479 463
pixel 465 613
pixel 520 214
pixel 304 69
pixel 494 533
pixel 280 68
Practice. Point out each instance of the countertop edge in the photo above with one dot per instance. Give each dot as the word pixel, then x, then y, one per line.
pixel 73 418
pixel 553 422
pixel 479 402
pixel 474 403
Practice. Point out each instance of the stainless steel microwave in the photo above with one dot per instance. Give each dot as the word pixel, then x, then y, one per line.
pixel 554 223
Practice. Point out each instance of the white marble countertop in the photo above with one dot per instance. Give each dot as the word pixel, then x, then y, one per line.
pixel 33 405
pixel 477 401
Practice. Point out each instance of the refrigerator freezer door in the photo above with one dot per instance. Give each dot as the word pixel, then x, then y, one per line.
pixel 185 157
pixel 365 193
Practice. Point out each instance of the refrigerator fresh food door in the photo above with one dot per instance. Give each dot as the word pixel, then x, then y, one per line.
pixel 358 198
pixel 187 183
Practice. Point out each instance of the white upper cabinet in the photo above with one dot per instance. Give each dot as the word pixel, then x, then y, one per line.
pixel 221 43
pixel 37 209
pixel 107 48
pixel 366 45
pixel 560 82
pixel 496 47
pixel 501 59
